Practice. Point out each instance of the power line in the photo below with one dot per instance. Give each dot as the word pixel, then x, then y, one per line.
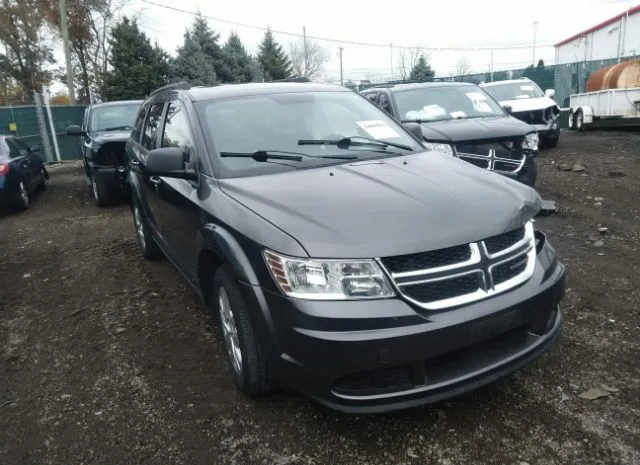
pixel 346 42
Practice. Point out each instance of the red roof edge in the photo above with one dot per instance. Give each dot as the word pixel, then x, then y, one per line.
pixel 630 11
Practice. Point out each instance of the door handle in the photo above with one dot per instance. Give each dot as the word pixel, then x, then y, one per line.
pixel 155 180
pixel 134 162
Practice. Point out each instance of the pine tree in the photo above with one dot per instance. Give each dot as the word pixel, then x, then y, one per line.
pixel 236 62
pixel 137 67
pixel 422 71
pixel 273 59
pixel 192 64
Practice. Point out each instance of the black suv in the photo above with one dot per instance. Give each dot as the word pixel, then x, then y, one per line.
pixel 104 133
pixel 343 258
pixel 463 120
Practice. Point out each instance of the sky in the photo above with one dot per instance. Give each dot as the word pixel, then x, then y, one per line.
pixel 454 24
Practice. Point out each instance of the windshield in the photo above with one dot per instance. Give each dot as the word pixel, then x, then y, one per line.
pixel 111 117
pixel 304 123
pixel 446 103
pixel 514 91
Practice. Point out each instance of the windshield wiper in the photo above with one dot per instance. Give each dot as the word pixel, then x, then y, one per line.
pixel 346 142
pixel 118 128
pixel 264 155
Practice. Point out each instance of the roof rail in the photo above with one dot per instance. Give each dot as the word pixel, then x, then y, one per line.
pixel 292 79
pixel 183 85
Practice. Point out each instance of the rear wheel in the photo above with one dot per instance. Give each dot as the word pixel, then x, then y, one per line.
pixel 43 181
pixel 571 123
pixel 579 121
pixel 245 355
pixel 21 200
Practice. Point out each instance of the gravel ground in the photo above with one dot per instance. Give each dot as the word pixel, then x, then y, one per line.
pixel 108 359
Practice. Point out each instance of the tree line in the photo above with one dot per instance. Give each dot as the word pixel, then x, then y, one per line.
pixel 113 59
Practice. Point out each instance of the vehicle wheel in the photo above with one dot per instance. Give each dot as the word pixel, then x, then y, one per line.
pixel 245 355
pixel 102 192
pixel 579 121
pixel 43 182
pixel 148 245
pixel 21 201
pixel 571 122
pixel 529 173
pixel 552 142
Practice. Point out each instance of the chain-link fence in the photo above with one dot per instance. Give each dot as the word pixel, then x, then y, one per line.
pixel 30 122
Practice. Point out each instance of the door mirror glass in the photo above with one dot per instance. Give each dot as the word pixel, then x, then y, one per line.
pixel 415 129
pixel 169 162
pixel 508 108
pixel 550 93
pixel 74 130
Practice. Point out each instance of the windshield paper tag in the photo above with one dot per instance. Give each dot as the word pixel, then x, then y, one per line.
pixel 479 101
pixel 378 129
pixel 527 87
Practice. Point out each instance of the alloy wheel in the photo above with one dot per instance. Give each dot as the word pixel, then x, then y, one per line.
pixel 229 331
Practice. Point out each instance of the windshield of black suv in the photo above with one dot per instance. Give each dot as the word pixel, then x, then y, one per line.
pixel 445 103
pixel 113 117
pixel 298 130
pixel 514 91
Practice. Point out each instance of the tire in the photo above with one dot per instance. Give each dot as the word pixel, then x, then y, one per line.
pixel 43 183
pixel 571 122
pixel 579 121
pixel 552 142
pixel 148 245
pixel 103 193
pixel 244 352
pixel 21 197
pixel 529 173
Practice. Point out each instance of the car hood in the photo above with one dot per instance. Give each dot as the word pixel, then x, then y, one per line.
pixel 528 104
pixel 473 129
pixel 386 207
pixel 100 138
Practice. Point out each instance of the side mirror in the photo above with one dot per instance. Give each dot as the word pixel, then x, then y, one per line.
pixel 508 108
pixel 75 130
pixel 550 93
pixel 415 129
pixel 169 162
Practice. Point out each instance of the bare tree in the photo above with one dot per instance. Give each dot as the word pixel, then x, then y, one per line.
pixel 408 59
pixel 308 61
pixel 462 67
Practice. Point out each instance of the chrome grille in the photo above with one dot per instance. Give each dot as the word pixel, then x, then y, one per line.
pixel 502 156
pixel 458 275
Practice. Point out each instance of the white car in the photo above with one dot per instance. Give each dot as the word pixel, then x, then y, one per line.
pixel 526 101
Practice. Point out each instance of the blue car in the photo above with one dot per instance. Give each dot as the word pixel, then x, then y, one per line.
pixel 22 172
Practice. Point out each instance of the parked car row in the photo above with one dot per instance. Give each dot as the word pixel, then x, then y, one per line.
pixel 343 255
pixel 22 172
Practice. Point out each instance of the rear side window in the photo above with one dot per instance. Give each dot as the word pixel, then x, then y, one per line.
pixel 384 102
pixel 151 126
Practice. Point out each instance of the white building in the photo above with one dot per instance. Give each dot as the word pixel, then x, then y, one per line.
pixel 616 38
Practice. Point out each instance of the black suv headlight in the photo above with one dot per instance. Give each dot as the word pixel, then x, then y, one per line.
pixel 307 278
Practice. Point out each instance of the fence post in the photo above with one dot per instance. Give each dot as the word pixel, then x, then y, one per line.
pixel 42 126
pixel 54 136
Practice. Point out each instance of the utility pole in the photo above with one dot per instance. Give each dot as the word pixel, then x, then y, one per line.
pixel 67 52
pixel 340 53
pixel 491 68
pixel 391 62
pixel 535 27
pixel 304 42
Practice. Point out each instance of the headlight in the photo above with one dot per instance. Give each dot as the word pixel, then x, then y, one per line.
pixel 306 278
pixel 530 141
pixel 446 148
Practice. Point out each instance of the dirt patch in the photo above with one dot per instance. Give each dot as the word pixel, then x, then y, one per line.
pixel 106 358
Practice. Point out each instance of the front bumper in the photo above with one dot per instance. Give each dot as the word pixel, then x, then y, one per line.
pixel 547 130
pixel 381 355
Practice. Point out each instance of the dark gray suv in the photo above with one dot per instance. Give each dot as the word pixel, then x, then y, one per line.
pixel 342 258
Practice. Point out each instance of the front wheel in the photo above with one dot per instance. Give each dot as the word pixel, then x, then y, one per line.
pixel 529 173
pixel 103 192
pixel 579 121
pixel 148 245
pixel 245 355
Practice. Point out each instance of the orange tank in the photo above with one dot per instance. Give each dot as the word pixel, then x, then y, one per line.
pixel 622 75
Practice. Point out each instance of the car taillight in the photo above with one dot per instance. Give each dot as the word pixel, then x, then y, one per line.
pixel 4 169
